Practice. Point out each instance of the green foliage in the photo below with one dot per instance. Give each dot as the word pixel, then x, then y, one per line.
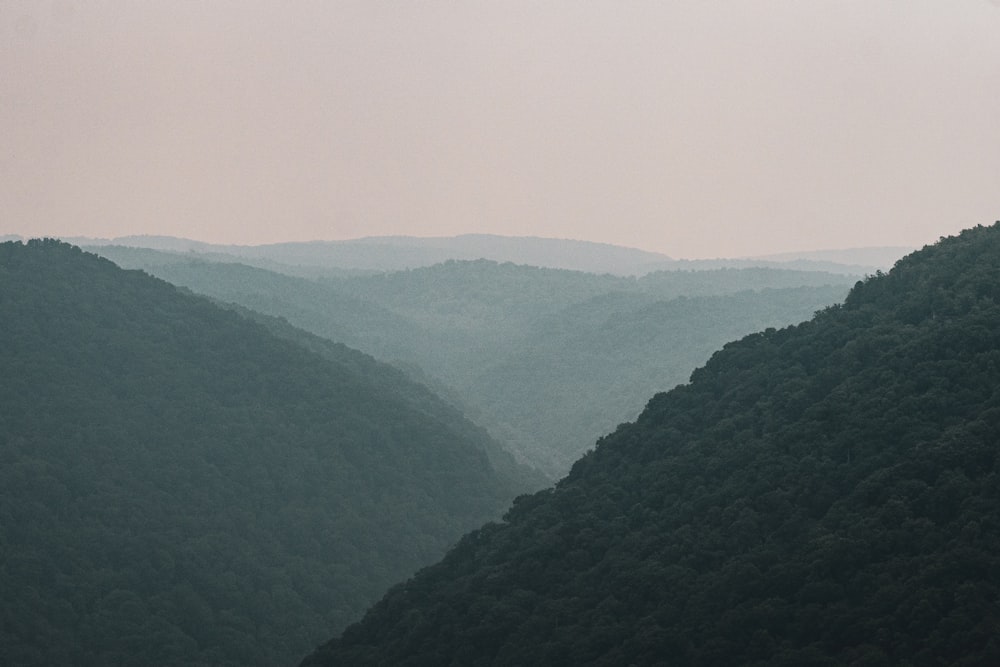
pixel 824 494
pixel 178 486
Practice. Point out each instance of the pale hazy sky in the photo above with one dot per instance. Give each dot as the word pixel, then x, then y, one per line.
pixel 702 128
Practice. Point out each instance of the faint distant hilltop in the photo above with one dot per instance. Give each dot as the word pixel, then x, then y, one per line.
pixel 882 257
pixel 393 253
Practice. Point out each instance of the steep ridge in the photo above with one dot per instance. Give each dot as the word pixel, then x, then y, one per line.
pixel 178 486
pixel 824 494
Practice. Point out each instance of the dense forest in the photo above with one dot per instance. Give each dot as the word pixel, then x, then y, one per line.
pixel 822 494
pixel 547 360
pixel 180 485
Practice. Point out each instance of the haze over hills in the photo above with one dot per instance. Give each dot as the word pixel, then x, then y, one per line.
pixel 594 365
pixel 181 486
pixel 882 257
pixel 407 260
pixel 394 253
pixel 550 360
pixel 541 357
pixel 794 262
pixel 822 494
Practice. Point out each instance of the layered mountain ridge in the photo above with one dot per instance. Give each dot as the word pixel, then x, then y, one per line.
pixel 395 253
pixel 546 359
pixel 822 494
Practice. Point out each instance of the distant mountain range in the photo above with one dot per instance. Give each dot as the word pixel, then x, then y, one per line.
pixel 394 253
pixel 504 335
pixel 881 257
pixel 546 359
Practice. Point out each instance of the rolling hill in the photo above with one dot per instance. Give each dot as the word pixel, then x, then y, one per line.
pixel 180 485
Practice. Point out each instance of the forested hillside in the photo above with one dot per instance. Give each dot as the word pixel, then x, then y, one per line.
pixel 823 494
pixel 547 360
pixel 179 486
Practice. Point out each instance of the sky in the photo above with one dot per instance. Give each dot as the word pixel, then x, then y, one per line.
pixel 698 129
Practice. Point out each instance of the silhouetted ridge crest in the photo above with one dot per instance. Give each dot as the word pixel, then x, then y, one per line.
pixel 823 494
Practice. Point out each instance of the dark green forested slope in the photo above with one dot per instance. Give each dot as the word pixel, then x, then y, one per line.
pixel 392 379
pixel 178 486
pixel 825 494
